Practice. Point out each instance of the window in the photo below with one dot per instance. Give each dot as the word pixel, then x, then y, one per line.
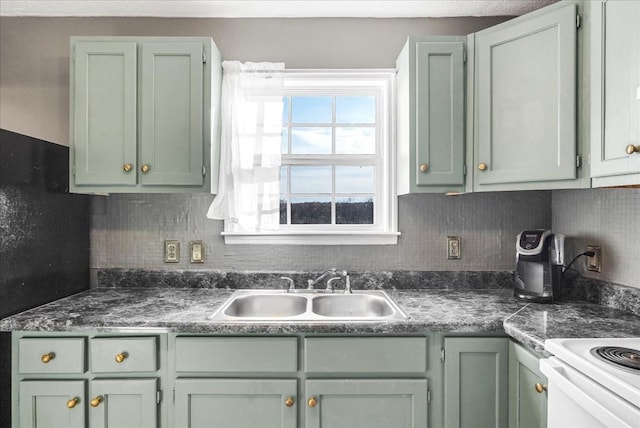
pixel 337 182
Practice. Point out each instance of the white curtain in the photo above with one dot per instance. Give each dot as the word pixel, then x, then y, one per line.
pixel 248 196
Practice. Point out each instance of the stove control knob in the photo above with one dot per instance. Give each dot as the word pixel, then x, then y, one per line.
pixel 540 388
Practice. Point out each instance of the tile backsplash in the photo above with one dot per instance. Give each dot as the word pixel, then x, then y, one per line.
pixel 128 231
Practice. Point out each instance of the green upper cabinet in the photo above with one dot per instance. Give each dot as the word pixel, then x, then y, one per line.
pixel 615 92
pixel 525 102
pixel 476 382
pixel 430 112
pixel 527 389
pixel 144 115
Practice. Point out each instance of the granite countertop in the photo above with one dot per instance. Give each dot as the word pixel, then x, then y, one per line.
pixel 460 311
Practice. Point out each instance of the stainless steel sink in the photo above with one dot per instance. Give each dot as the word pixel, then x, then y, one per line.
pixel 308 305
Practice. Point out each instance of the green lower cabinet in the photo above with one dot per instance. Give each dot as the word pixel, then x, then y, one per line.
pixel 476 382
pixel 365 403
pixel 236 403
pixel 52 403
pixel 527 390
pixel 117 403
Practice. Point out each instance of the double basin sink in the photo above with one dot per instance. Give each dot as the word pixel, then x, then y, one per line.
pixel 308 305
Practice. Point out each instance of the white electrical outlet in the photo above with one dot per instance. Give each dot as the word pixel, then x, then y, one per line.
pixel 453 247
pixel 197 251
pixel 594 263
pixel 171 251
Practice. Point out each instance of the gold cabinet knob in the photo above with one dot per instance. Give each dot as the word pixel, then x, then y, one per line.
pixel 540 388
pixel 95 402
pixel 631 149
pixel 289 402
pixel 424 167
pixel 47 357
pixel 72 403
pixel 145 168
pixel 482 167
pixel 127 167
pixel 312 402
pixel 121 357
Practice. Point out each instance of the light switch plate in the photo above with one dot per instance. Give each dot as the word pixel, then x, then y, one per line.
pixel 171 251
pixel 197 251
pixel 453 247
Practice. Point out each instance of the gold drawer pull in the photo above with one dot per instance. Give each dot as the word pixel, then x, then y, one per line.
pixel 312 402
pixel 95 402
pixel 482 167
pixel 289 402
pixel 127 167
pixel 145 168
pixel 631 149
pixel 72 403
pixel 424 167
pixel 540 388
pixel 121 357
pixel 46 358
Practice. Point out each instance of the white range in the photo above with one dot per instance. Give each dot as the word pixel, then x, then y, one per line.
pixel 593 382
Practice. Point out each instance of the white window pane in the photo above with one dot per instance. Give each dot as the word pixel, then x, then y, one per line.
pixel 311 109
pixel 355 179
pixel 285 141
pixel 310 140
pixel 356 109
pixel 311 210
pixel 310 179
pixel 354 210
pixel 355 140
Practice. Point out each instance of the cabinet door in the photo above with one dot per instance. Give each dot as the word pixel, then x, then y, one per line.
pixel 52 403
pixel 123 403
pixel 364 403
pixel 171 145
pixel 615 68
pixel 476 378
pixel 236 403
pixel 526 99
pixel 527 406
pixel 104 113
pixel 439 114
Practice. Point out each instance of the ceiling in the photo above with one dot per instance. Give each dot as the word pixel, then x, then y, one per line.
pixel 270 8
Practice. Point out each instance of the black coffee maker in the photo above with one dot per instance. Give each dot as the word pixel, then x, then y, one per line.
pixel 539 264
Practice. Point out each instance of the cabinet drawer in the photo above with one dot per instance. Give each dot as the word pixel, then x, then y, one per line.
pixel 123 354
pixel 236 354
pixel 51 355
pixel 365 355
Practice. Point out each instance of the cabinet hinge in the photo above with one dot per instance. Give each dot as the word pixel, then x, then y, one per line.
pixel 428 396
pixel 464 170
pixel 204 57
pixel 174 395
pixel 464 55
pixel 442 354
pixel 204 170
pixel 578 161
pixel 578 21
pixel 158 396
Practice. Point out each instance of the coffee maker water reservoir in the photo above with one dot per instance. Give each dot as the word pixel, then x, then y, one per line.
pixel 539 265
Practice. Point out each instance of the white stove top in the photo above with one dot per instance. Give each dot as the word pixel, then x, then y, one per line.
pixel 577 353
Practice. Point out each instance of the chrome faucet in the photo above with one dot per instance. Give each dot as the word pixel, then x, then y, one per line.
pixel 292 285
pixel 312 282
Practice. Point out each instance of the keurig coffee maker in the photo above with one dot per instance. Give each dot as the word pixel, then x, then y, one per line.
pixel 539 264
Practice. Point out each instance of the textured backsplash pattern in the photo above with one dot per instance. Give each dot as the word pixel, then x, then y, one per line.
pixel 605 217
pixel 128 231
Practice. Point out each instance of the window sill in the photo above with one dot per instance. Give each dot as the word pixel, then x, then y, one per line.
pixel 310 238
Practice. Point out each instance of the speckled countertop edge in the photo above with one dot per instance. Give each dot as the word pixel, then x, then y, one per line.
pixel 446 311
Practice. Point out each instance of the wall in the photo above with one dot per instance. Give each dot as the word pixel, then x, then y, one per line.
pixel 34 52
pixel 606 217
pixel 44 236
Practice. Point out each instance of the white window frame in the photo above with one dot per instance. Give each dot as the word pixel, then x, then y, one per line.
pixel 384 231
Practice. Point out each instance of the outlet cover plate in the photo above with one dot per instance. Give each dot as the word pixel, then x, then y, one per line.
pixel 197 251
pixel 453 247
pixel 594 264
pixel 171 251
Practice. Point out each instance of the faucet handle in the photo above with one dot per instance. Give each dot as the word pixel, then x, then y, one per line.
pixel 292 285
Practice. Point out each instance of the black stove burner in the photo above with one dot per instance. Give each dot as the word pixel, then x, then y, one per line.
pixel 624 357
